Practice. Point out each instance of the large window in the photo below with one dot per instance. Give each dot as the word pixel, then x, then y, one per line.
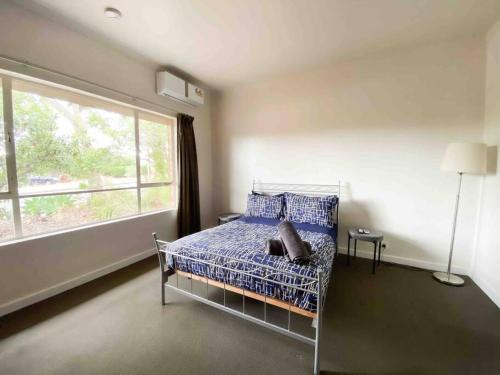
pixel 69 159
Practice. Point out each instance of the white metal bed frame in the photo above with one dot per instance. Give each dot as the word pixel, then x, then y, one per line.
pixel 313 285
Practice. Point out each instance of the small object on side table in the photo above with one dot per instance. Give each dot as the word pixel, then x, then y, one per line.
pixel 368 236
pixel 226 218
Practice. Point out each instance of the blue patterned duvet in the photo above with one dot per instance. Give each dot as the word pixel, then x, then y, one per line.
pixel 232 244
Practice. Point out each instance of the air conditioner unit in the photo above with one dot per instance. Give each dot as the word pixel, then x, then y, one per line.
pixel 195 95
pixel 170 85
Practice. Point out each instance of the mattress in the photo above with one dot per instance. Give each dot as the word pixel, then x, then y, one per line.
pixel 240 244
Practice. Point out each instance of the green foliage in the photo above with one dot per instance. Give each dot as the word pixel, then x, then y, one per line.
pixel 113 204
pixel 5 212
pixel 155 198
pixel 87 145
pixel 39 150
pixel 46 205
pixel 54 137
pixel 154 148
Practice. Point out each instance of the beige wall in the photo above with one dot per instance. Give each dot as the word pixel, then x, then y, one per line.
pixel 28 267
pixel 381 125
pixel 486 268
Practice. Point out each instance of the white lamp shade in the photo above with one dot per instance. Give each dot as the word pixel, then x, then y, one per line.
pixel 465 158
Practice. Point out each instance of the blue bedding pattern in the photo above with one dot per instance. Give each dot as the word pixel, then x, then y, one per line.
pixel 313 210
pixel 267 206
pixel 245 239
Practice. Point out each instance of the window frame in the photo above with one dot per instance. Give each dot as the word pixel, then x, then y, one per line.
pixel 15 196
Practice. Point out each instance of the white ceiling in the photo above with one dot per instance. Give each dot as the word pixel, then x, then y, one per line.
pixel 227 42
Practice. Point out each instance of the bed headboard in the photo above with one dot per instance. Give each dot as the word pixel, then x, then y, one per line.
pixel 305 189
pixel 276 188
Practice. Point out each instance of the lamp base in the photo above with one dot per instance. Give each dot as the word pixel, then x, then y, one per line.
pixel 449 279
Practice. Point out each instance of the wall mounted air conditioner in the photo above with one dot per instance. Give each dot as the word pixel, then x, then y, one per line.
pixel 170 85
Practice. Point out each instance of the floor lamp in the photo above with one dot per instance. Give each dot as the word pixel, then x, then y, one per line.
pixel 468 158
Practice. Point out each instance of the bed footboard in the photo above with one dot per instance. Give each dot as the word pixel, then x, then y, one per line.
pixel 318 289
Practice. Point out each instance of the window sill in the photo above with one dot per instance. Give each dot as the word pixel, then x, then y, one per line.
pixel 74 229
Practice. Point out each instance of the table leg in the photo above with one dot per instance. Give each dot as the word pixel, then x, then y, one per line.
pixel 348 248
pixel 374 256
pixel 355 247
pixel 379 251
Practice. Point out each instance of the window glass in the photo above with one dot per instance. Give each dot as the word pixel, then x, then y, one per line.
pixel 6 220
pixel 50 213
pixel 157 198
pixel 76 159
pixel 3 160
pixel 66 144
pixel 155 135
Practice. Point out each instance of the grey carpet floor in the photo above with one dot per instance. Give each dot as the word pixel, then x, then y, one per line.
pixel 399 321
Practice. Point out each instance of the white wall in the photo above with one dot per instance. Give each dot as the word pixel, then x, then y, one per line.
pixel 381 125
pixel 486 268
pixel 28 267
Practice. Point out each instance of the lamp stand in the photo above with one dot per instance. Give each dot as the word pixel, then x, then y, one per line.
pixel 447 277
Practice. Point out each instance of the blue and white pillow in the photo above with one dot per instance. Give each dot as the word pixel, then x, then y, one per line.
pixel 268 206
pixel 312 210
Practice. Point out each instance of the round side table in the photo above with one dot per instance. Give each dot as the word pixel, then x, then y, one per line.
pixel 374 237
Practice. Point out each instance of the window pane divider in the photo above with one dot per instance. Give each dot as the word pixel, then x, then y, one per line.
pixel 137 161
pixel 10 147
pixel 70 192
pixel 155 184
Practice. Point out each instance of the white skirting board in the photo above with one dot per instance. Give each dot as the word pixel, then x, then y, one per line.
pixel 368 254
pixel 30 299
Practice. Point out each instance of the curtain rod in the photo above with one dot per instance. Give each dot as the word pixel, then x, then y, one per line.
pixel 27 64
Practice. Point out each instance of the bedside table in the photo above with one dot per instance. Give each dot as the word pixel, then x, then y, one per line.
pixel 373 237
pixel 226 218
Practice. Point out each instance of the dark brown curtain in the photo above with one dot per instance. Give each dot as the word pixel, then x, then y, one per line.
pixel 189 194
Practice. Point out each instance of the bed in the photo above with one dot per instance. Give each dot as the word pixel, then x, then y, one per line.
pixel 232 257
pixel 244 241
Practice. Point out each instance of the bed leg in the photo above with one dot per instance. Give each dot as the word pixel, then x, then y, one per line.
pixel 164 276
pixel 162 291
pixel 318 322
